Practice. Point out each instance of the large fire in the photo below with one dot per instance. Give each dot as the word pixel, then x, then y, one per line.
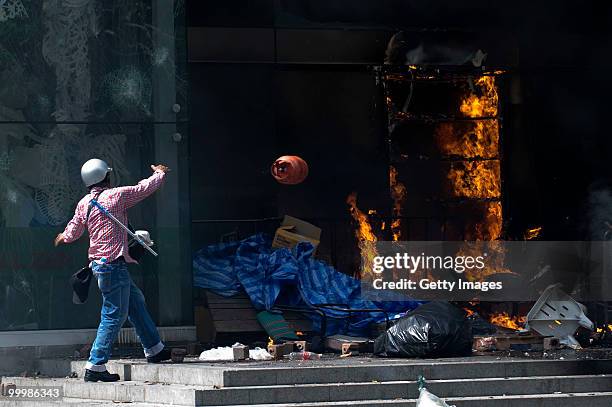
pixel 506 321
pixel 474 173
pixel 480 141
pixel 471 178
pixel 398 194
pixel 364 233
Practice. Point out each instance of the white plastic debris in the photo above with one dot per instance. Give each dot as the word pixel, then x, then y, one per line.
pixel 217 354
pixel 225 353
pixel 260 354
pixel 557 314
pixel 427 399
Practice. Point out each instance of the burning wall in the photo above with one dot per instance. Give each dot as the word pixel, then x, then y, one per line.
pixel 445 143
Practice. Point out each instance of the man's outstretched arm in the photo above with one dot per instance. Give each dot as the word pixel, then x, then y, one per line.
pixel 136 193
pixel 74 229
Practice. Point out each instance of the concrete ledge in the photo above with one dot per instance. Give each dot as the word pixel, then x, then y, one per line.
pixel 123 392
pixel 316 393
pixel 264 374
pixel 63 337
pixel 21 351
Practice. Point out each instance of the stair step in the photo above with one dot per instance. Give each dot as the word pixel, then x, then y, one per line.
pixel 207 375
pixel 360 370
pixel 135 391
pixel 602 399
pixel 539 400
pixel 67 401
pixel 123 392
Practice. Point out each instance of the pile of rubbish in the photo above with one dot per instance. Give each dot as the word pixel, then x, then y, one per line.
pixel 291 277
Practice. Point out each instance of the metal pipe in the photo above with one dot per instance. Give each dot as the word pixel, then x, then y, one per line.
pixel 132 234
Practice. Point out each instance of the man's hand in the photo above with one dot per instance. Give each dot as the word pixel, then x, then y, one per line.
pixel 160 167
pixel 59 239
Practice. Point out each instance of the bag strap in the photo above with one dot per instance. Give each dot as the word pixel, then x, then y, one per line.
pixel 91 205
pixel 95 198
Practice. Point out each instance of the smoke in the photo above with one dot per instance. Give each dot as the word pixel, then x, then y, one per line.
pixel 600 213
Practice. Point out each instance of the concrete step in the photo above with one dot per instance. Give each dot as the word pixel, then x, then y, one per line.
pixel 540 400
pixel 121 392
pixel 135 391
pixel 73 402
pixel 193 372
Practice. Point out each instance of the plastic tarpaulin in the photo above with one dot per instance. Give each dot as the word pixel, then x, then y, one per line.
pixel 287 277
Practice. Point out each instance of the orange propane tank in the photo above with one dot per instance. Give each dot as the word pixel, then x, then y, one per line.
pixel 289 169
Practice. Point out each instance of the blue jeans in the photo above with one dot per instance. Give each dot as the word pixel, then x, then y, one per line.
pixel 121 300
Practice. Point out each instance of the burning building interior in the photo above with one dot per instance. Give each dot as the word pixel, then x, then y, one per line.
pixel 466 132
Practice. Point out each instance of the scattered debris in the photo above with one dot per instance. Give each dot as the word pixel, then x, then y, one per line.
pixel 520 342
pixel 227 354
pixel 303 356
pixel 278 351
pixel 300 346
pixel 349 344
pixel 484 344
pixel 241 352
pixel 427 399
pixel 178 355
pixel 259 354
pixel 558 315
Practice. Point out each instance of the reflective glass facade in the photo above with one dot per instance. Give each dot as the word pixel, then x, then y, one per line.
pixel 82 79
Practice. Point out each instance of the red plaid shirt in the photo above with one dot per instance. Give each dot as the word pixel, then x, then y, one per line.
pixel 106 238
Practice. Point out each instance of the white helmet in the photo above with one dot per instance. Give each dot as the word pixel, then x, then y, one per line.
pixel 94 171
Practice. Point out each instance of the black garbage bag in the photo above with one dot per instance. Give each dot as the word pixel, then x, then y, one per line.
pixel 481 326
pixel 435 329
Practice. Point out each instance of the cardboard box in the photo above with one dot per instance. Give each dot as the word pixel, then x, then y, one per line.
pixel 293 230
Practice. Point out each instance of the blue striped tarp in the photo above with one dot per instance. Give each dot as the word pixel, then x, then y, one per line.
pixel 287 277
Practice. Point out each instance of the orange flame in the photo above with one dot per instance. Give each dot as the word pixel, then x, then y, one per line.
pixel 472 179
pixel 487 104
pixel 270 341
pixel 532 233
pixel 477 139
pixel 604 329
pixel 506 321
pixel 364 233
pixel 475 179
pixel 398 194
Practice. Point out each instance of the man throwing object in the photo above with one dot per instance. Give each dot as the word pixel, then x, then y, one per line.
pixel 109 257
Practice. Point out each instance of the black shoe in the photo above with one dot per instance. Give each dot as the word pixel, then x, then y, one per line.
pixel 91 376
pixel 164 354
